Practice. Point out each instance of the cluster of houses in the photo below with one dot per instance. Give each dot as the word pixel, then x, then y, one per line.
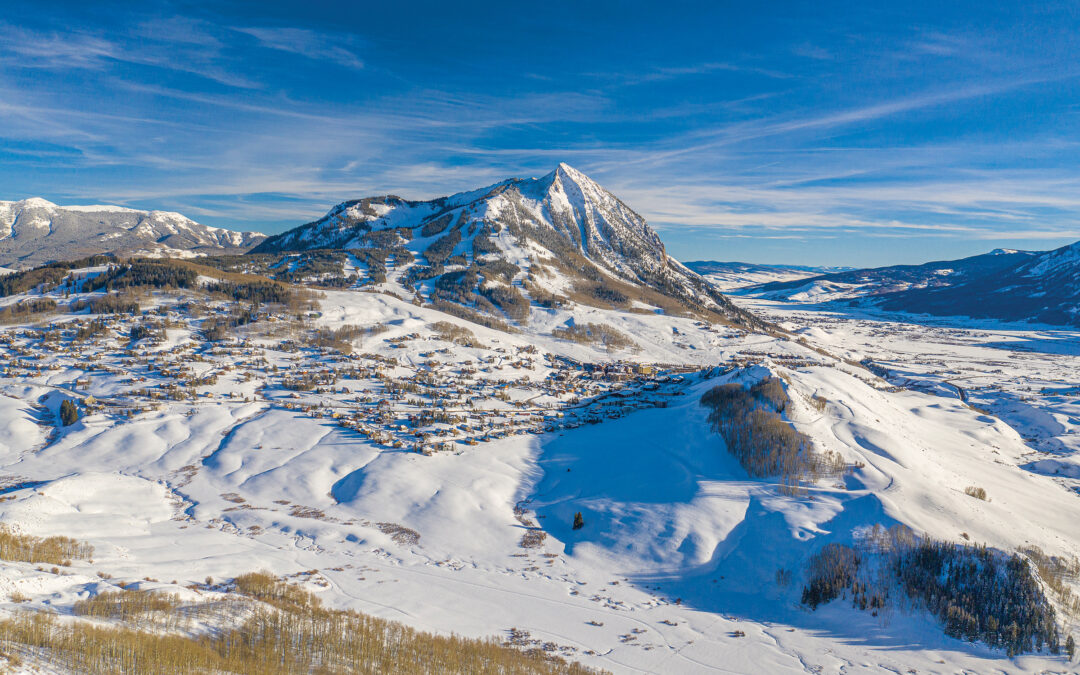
pixel 423 394
pixel 443 404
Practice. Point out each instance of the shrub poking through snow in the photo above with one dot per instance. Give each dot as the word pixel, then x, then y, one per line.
pixel 54 550
pixel 399 533
pixel 579 521
pixel 976 492
pixel 533 538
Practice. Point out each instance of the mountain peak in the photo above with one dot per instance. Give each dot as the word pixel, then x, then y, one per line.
pixel 562 221
pixel 36 203
pixel 567 172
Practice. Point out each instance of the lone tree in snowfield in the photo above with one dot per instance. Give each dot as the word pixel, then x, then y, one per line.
pixel 69 414
pixel 579 521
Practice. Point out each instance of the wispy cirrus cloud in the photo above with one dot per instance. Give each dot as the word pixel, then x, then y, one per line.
pixel 44 49
pixel 175 46
pixel 807 131
pixel 307 43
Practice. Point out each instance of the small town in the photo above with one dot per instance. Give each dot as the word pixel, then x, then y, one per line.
pixel 436 397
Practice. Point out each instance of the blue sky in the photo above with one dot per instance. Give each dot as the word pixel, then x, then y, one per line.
pixel 812 133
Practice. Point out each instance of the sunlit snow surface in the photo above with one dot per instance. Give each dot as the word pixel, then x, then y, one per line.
pixel 680 547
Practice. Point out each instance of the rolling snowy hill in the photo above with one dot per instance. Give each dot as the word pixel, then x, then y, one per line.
pixel 404 462
pixel 34 231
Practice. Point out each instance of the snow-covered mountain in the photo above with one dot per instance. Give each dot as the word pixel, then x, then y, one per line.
pixel 732 275
pixel 1004 284
pixel 563 234
pixel 1041 287
pixel 34 231
pixel 892 279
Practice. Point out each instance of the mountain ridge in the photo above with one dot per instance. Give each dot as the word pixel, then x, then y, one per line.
pixel 891 278
pixel 563 193
pixel 34 231
pixel 1004 284
pixel 1043 288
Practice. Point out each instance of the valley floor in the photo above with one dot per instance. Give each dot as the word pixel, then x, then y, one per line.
pixel 680 566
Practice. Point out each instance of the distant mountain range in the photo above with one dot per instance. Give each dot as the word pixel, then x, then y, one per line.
pixel 1040 287
pixel 35 231
pixel 1005 284
pixel 891 279
pixel 552 240
pixel 729 276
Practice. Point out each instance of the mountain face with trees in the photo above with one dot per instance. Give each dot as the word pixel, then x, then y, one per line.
pixel 559 238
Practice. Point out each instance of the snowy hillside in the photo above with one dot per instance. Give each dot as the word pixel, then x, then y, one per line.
pixel 34 231
pixel 547 240
pixel 402 461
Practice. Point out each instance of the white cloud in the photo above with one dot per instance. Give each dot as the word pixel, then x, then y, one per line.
pixel 307 43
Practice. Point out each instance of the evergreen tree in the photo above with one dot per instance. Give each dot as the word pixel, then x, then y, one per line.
pixel 1070 647
pixel 69 414
pixel 579 521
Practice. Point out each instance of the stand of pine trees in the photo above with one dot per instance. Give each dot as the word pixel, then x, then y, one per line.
pixel 69 414
pixel 978 593
pixel 749 420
